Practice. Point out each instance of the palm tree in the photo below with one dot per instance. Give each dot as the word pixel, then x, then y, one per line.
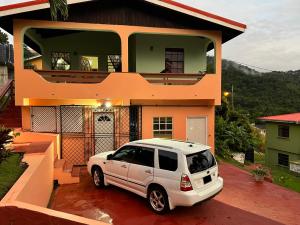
pixel 59 6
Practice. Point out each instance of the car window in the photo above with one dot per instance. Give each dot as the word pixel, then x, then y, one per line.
pixel 144 156
pixel 124 154
pixel 200 161
pixel 167 160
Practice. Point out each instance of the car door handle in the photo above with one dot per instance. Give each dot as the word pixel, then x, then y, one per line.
pixel 148 171
pixel 124 166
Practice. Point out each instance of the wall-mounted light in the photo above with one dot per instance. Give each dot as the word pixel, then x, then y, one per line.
pixel 108 104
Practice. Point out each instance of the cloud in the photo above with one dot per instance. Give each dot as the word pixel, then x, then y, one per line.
pixel 273 35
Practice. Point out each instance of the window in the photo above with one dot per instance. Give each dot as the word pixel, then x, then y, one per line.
pixel 124 154
pixel 200 161
pixel 89 63
pixel 114 63
pixel 162 127
pixel 144 156
pixel 60 61
pixel 167 160
pixel 174 60
pixel 283 131
pixel 283 159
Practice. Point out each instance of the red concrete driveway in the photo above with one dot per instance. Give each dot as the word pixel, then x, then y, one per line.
pixel 241 202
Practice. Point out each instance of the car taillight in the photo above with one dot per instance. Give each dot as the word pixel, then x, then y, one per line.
pixel 185 183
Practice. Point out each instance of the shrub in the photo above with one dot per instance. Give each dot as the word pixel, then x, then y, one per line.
pixel 234 133
pixel 6 137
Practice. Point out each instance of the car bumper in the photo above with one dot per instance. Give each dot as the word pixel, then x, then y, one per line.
pixel 190 198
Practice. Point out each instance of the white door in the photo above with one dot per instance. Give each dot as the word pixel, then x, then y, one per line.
pixel 196 130
pixel 117 167
pixel 140 171
pixel 104 132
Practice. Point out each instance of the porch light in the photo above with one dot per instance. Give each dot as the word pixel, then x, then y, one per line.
pixel 108 104
pixel 226 93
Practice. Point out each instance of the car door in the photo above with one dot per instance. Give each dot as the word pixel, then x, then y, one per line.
pixel 117 167
pixel 140 171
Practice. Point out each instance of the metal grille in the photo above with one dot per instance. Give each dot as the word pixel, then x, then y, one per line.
pixel 43 119
pixel 87 130
pixel 72 119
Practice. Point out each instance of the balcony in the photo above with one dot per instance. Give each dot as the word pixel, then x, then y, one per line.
pixel 86 66
pixel 90 77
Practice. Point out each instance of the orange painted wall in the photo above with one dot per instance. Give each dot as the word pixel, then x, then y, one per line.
pixel 29 137
pixel 131 86
pixel 179 115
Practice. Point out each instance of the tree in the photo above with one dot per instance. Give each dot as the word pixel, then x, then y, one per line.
pixel 59 6
pixel 234 132
pixel 3 38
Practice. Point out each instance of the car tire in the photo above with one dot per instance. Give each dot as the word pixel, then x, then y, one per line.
pixel 158 200
pixel 98 177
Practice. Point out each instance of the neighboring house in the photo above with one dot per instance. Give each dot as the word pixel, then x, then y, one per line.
pixel 117 71
pixel 282 139
pixel 6 62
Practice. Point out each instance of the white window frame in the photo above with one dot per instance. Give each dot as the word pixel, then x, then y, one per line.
pixel 159 123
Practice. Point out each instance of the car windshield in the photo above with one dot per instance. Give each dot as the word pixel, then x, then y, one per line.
pixel 200 161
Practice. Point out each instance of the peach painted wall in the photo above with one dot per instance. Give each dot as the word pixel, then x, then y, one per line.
pixel 26 115
pixel 40 179
pixel 179 115
pixel 131 86
pixel 29 137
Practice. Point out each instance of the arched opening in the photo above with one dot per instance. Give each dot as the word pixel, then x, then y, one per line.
pixel 73 56
pixel 160 57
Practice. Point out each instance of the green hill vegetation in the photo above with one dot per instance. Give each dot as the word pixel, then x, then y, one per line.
pixel 261 94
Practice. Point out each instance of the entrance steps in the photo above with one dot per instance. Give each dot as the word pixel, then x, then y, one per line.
pixel 65 173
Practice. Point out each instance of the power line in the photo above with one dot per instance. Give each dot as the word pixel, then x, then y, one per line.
pixel 257 67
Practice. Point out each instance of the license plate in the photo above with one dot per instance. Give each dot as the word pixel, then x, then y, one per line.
pixel 207 179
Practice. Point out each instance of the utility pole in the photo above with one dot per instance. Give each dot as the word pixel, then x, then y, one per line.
pixel 232 97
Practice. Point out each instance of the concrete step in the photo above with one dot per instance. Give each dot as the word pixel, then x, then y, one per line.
pixel 59 163
pixel 76 171
pixel 63 172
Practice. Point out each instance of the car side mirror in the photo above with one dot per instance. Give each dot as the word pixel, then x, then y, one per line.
pixel 109 157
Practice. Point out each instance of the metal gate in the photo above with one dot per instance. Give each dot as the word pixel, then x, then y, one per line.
pixel 104 131
pixel 87 130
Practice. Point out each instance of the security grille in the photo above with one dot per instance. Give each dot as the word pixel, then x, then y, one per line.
pixel 43 119
pixel 87 130
pixel 104 131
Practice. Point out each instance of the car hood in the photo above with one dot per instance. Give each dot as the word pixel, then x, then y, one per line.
pixel 102 155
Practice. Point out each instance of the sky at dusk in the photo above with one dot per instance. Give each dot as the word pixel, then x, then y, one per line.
pixel 272 40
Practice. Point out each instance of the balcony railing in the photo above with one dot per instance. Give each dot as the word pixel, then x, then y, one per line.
pixel 172 78
pixel 73 76
pixel 84 77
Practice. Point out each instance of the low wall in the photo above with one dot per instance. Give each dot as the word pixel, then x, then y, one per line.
pixel 32 137
pixel 26 201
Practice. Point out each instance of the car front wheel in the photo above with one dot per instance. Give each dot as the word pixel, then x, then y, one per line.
pixel 158 200
pixel 98 177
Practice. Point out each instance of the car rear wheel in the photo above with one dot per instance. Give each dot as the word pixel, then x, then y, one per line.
pixel 98 177
pixel 158 200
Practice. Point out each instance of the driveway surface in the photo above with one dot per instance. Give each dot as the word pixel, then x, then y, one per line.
pixel 241 202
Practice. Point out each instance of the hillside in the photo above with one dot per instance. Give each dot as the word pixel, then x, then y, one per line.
pixel 262 94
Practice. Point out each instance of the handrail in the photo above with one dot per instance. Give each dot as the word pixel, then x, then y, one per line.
pixel 73 76
pixel 5 96
pixel 172 78
pixel 84 77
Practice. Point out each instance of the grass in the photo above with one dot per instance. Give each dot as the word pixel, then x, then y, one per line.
pixel 285 178
pixel 10 171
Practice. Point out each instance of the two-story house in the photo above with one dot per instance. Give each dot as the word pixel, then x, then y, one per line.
pixel 117 71
pixel 282 139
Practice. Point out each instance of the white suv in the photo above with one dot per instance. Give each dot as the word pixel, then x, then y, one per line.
pixel 168 173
